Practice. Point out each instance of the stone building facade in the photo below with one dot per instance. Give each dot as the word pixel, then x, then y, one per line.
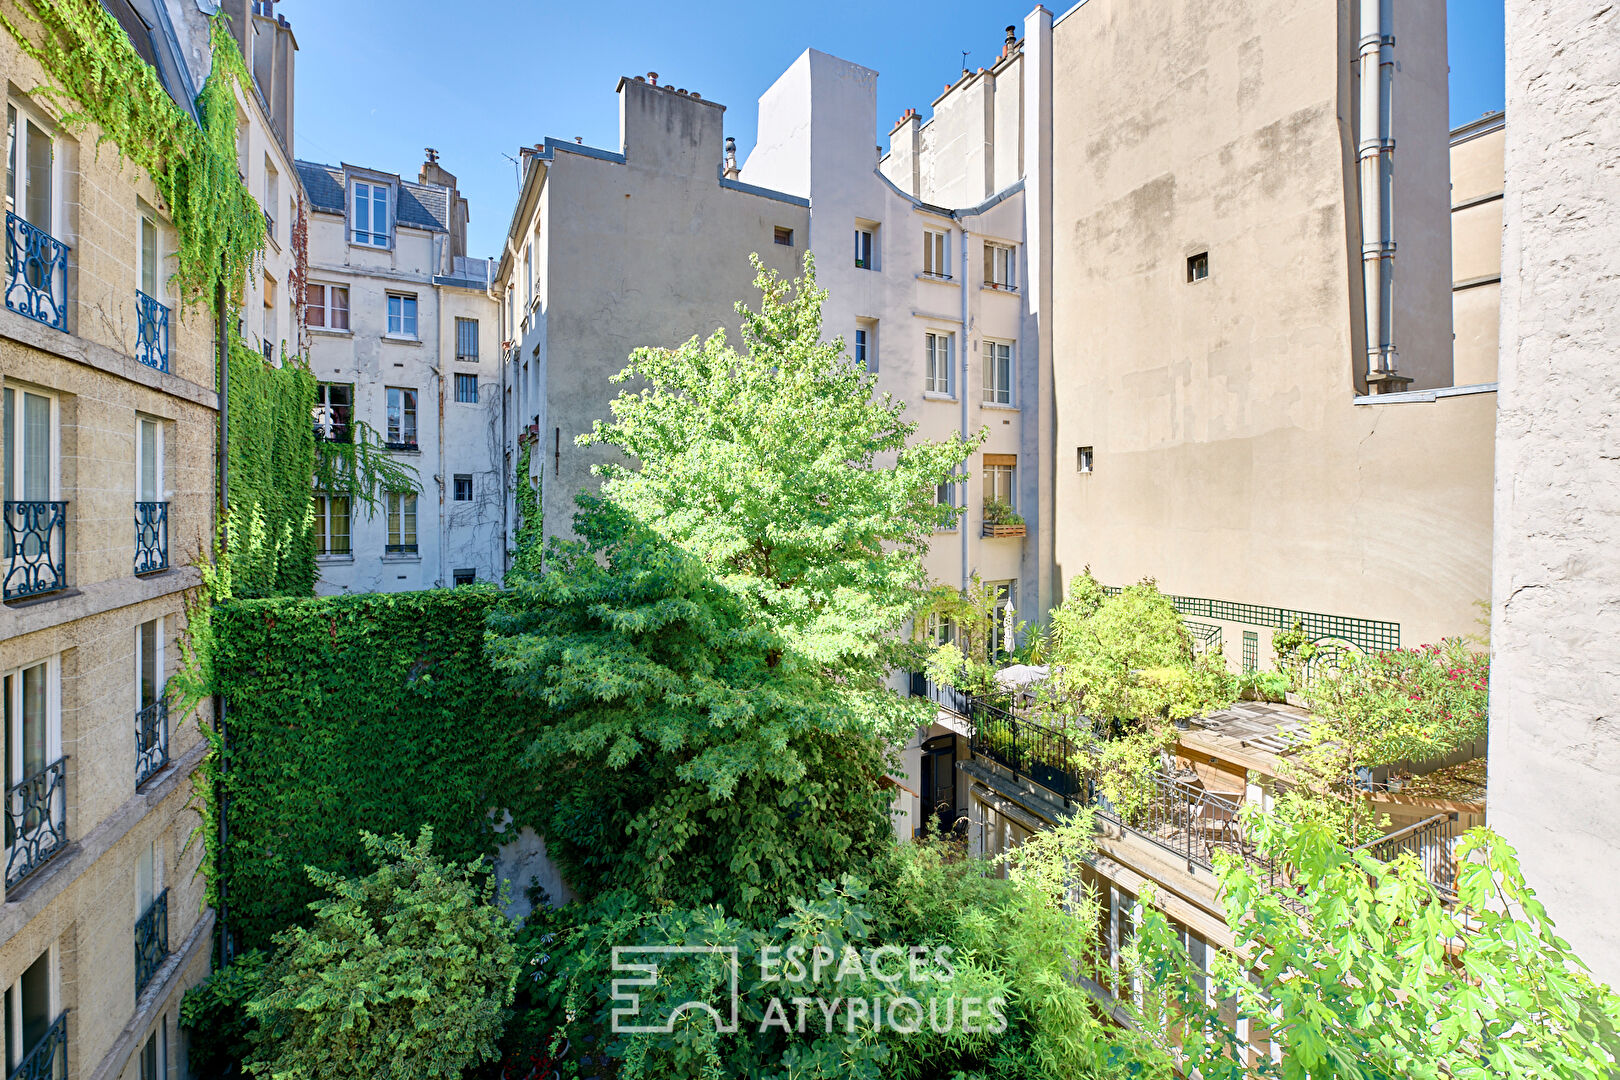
pixel 1555 680
pixel 400 326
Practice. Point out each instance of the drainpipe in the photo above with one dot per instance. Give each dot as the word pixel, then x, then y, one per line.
pixel 223 333
pixel 1375 152
pixel 438 377
pixel 962 389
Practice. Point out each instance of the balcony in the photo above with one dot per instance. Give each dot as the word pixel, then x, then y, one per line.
pixel 36 821
pixel 35 555
pixel 152 327
pixel 151 941
pixel 36 279
pixel 1433 842
pixel 47 1058
pixel 151 537
pixel 151 740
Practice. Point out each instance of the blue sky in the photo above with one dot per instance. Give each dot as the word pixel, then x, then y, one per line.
pixel 379 80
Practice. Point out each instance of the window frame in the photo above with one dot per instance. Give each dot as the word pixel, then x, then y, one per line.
pixel 994 474
pixel 148 227
pixel 994 392
pixel 14 1005
pixel 399 511
pixel 456 481
pixel 936 251
pixel 462 324
pixel 12 477
pixel 782 235
pixel 1197 267
pixel 949 490
pixel 931 381
pixel 19 115
pixel 158 680
pixel 405 299
pixel 462 379
pixel 324 533
pixel 327 308
pixel 327 419
pixel 407 428
pixel 866 246
pixel 272 198
pixel 351 216
pixel 15 758
pixel 142 422
pixel 1007 255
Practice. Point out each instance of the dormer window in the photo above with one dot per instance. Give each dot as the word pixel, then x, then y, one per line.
pixel 369 219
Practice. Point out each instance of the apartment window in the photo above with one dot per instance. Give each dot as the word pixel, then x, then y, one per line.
pixel 332 532
pixel 528 273
pixel 370 219
pixel 1000 267
pixel 784 236
pixel 463 487
pixel 1082 458
pixel 935 260
pixel 30 170
pixel 1198 266
pixel 401 418
pixel 999 473
pixel 998 372
pixel 148 663
pixel 401 315
pixel 945 495
pixel 29 457
pixel 327 306
pixel 866 346
pixel 1002 626
pixel 937 350
pixel 272 196
pixel 467 389
pixel 148 460
pixel 31 1016
pixel 864 249
pixel 149 255
pixel 466 339
pixel 334 405
pixel 941 629
pixel 401 522
pixel 465 576
pixel 269 338
pixel 155 1054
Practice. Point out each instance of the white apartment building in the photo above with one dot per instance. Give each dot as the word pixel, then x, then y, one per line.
pixel 399 321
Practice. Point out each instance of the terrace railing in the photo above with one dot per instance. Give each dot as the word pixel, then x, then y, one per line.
pixel 1433 841
pixel 36 821
pixel 151 537
pixel 1187 821
pixel 36 273
pixel 151 740
pixel 152 332
pixel 151 940
pixel 34 559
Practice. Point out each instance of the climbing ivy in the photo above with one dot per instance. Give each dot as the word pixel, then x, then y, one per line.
pixel 100 79
pixel 530 534
pixel 361 468
pixel 370 712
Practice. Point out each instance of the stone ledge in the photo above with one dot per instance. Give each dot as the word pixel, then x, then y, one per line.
pixel 26 331
pixel 154 999
pixel 96 598
pixel 33 896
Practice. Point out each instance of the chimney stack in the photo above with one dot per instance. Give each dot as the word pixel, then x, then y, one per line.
pixel 732 172
pixel 1012 39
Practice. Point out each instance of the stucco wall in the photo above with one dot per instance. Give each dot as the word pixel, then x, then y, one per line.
pixel 1476 250
pixel 1555 685
pixel 1231 460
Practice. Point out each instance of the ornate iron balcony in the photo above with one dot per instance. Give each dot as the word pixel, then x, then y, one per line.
pixel 152 321
pixel 151 941
pixel 36 821
pixel 151 537
pixel 47 1059
pixel 36 279
pixel 35 554
pixel 151 740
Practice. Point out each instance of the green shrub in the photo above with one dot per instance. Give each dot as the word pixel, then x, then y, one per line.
pixel 214 1012
pixel 406 973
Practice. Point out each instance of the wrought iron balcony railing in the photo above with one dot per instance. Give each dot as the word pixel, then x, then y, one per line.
pixel 152 324
pixel 1045 755
pixel 47 1058
pixel 1433 841
pixel 151 537
pixel 36 273
pixel 151 740
pixel 151 940
pixel 36 821
pixel 35 555
pixel 1185 820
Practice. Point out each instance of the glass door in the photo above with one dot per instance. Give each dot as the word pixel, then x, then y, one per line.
pixel 939 783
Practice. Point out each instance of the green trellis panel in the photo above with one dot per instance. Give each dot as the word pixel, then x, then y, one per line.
pixel 1373 635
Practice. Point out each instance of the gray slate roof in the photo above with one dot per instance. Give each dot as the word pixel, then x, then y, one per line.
pixel 420 205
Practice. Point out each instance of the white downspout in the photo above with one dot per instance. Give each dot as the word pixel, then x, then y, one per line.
pixel 962 391
pixel 1375 151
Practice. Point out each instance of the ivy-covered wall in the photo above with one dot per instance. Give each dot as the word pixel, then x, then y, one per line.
pixel 271 530
pixel 374 712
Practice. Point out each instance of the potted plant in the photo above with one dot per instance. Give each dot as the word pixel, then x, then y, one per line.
pixel 1000 519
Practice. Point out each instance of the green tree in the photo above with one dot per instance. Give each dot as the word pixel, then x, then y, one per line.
pixel 407 972
pixel 1359 972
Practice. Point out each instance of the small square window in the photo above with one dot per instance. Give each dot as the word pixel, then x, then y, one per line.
pixel 465 577
pixel 784 236
pixel 1198 266
pixel 467 389
pixel 466 339
pixel 401 315
pixel 463 487
pixel 1082 458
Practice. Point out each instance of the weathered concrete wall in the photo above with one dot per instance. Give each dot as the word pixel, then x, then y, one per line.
pixel 1231 460
pixel 1555 686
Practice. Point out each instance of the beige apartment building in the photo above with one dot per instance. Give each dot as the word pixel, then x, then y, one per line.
pixel 1477 189
pixel 110 410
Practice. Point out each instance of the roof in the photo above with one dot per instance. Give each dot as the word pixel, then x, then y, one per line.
pixel 421 205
